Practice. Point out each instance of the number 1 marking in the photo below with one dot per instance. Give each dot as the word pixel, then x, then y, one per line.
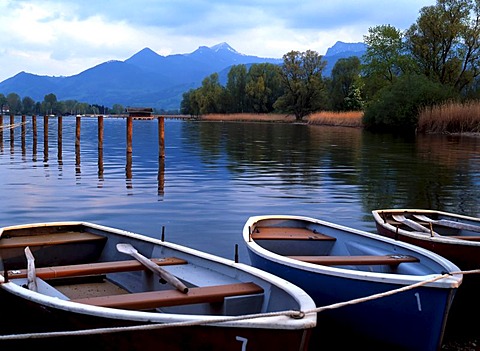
pixel 417 295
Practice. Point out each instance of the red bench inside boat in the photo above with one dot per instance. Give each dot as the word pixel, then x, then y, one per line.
pixel 48 239
pixel 357 260
pixel 93 268
pixel 288 233
pixel 164 298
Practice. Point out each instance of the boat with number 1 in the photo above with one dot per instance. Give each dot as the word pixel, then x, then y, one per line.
pixel 336 264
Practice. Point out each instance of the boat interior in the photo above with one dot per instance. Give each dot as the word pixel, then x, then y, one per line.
pixel 432 224
pixel 83 266
pixel 329 246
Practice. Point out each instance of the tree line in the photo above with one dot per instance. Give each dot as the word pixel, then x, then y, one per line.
pixel 437 59
pixel 14 104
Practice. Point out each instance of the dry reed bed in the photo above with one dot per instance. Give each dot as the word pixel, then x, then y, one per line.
pixel 346 119
pixel 450 118
pixel 248 117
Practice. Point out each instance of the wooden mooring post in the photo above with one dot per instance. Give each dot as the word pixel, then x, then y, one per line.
pixel 12 131
pixel 100 120
pixel 45 138
pixel 24 134
pixel 1 130
pixel 35 137
pixel 100 132
pixel 59 138
pixel 161 156
pixel 100 147
pixel 161 137
pixel 129 134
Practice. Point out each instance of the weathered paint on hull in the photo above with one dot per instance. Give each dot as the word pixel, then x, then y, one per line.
pixel 40 319
pixel 380 320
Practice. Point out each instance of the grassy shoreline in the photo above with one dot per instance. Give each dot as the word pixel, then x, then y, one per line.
pixel 448 118
pixel 345 119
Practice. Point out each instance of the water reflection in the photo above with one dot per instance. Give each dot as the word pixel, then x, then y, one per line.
pixel 213 175
pixel 430 171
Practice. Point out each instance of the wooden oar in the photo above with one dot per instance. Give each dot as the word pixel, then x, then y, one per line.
pixel 31 275
pixel 130 250
pixel 412 224
pixel 450 224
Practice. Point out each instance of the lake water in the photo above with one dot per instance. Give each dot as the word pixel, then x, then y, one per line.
pixel 215 175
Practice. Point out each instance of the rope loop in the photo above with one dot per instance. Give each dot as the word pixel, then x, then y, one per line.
pixel 291 313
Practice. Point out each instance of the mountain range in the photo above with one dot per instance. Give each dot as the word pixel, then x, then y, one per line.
pixel 148 79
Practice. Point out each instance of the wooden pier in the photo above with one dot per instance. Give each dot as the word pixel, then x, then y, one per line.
pixel 100 130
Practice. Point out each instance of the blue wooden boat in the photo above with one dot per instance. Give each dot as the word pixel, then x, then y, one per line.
pixel 335 264
pixel 94 287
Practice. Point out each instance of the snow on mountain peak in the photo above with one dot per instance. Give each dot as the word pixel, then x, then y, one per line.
pixel 223 46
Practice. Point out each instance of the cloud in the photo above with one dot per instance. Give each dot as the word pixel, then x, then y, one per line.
pixel 65 37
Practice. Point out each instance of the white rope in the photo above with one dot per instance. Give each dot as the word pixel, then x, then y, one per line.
pixel 290 313
pixel 11 126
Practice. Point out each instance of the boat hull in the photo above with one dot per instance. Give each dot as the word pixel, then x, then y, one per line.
pixel 39 319
pixel 88 289
pixel 464 253
pixel 379 321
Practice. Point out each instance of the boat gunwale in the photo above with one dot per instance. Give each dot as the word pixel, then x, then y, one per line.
pixel 453 281
pixel 424 236
pixel 304 301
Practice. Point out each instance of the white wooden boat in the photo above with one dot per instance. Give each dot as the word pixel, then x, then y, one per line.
pixel 63 280
pixel 453 236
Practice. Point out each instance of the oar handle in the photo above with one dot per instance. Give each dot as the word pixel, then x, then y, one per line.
pixel 170 278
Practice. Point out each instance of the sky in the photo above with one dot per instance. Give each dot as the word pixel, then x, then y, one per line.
pixel 66 37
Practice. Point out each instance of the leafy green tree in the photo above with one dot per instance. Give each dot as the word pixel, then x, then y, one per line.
pixel 235 89
pixel 187 103
pixel 396 106
pixel 445 42
pixel 14 103
pixel 49 103
pixel 302 82
pixel 28 105
pixel 83 108
pixel 117 109
pixel 264 87
pixel 38 107
pixel 3 103
pixel 385 60
pixel 190 104
pixel 345 84
pixel 210 95
pixel 69 107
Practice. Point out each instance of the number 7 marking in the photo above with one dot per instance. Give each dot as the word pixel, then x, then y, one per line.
pixel 244 342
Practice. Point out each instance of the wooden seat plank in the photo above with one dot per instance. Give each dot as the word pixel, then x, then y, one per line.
pixel 357 260
pixel 154 299
pixel 92 268
pixel 48 239
pixel 288 233
pixel 465 237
